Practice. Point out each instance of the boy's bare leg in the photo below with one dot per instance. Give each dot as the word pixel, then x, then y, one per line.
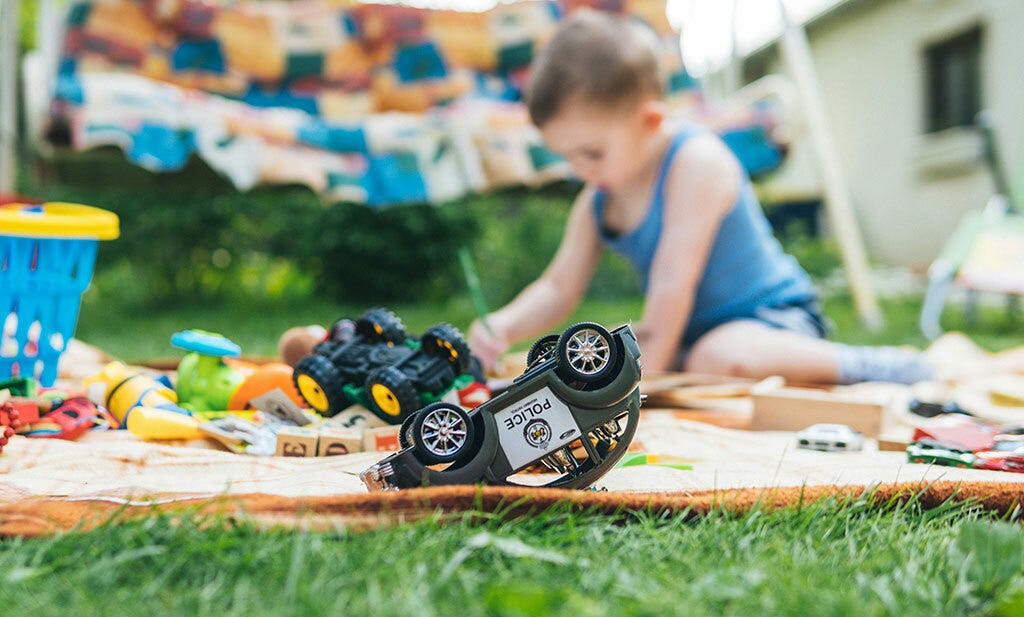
pixel 748 348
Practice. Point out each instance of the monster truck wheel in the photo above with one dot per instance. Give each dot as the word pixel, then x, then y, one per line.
pixel 380 325
pixel 446 341
pixel 587 353
pixel 319 383
pixel 391 394
pixel 442 433
pixel 542 349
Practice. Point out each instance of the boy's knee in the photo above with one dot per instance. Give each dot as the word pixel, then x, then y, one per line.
pixel 297 343
pixel 717 355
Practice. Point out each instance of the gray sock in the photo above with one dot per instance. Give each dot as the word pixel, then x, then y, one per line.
pixel 891 364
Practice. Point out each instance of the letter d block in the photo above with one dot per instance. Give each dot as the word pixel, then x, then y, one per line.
pixel 335 441
pixel 296 441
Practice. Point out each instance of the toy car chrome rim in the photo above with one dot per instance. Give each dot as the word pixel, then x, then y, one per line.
pixel 443 431
pixel 588 351
pixel 312 392
pixel 385 399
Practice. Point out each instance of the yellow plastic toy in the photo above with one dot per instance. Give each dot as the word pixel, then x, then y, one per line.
pixel 121 390
pixel 154 423
pixel 59 220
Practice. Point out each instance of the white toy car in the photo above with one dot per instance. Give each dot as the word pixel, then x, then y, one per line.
pixel 829 438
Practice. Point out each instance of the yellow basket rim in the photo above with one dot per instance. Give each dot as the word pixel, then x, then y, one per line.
pixel 59 220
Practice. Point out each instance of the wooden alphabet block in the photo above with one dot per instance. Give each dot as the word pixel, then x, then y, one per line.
pixel 355 417
pixel 296 441
pixel 381 439
pixel 335 441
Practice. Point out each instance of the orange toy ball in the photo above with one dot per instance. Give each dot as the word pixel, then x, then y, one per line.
pixel 263 379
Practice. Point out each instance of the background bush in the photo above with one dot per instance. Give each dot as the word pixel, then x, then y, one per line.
pixel 190 236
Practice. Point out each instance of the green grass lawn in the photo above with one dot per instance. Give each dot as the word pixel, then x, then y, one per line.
pixel 826 559
pixel 135 334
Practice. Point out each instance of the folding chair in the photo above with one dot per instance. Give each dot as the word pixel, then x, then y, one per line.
pixel 985 252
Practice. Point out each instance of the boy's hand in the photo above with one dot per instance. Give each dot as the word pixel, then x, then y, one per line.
pixel 487 345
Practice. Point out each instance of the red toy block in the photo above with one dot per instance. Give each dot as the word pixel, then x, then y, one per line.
pixel 28 411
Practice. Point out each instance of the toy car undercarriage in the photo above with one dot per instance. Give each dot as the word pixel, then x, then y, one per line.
pixel 380 366
pixel 573 413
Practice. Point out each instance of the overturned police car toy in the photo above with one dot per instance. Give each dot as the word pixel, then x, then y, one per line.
pixel 574 410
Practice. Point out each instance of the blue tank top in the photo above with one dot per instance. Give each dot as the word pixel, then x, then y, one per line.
pixel 746 268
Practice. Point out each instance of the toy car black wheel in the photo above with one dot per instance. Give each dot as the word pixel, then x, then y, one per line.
pixel 320 384
pixel 542 349
pixel 587 353
pixel 391 394
pixel 405 432
pixel 380 325
pixel 446 341
pixel 442 433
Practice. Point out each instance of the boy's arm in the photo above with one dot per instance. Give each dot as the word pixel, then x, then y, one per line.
pixel 701 188
pixel 550 299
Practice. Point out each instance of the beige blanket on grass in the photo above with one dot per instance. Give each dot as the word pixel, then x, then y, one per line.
pixel 116 465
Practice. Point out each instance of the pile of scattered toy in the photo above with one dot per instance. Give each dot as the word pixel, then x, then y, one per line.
pixel 954 437
pixel 371 386
pixel 26 409
pixel 947 434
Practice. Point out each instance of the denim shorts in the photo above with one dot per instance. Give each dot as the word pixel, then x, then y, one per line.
pixel 800 317
pixel 803 317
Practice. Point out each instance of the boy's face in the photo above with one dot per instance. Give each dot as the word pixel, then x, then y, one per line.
pixel 607 148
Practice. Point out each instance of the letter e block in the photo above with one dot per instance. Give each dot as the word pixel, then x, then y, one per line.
pixel 296 441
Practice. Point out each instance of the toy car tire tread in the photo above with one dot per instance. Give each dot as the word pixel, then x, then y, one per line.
pixel 541 347
pixel 380 325
pixel 447 341
pixel 405 432
pixel 390 394
pixel 321 376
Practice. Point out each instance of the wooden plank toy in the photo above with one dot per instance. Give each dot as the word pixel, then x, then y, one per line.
pixel 794 409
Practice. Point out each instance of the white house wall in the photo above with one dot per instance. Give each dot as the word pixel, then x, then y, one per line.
pixel 909 189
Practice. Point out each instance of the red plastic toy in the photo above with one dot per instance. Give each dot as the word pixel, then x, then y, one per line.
pixel 12 423
pixel 1000 461
pixel 968 432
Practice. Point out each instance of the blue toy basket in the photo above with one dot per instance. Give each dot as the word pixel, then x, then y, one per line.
pixel 47 254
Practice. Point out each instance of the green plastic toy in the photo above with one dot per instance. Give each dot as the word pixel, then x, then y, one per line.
pixel 205 381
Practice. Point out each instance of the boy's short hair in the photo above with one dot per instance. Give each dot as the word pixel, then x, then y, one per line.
pixel 607 59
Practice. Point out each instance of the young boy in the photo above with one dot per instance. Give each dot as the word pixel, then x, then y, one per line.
pixel 720 294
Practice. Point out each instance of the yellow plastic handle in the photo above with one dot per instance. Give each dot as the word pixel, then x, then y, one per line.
pixel 59 220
